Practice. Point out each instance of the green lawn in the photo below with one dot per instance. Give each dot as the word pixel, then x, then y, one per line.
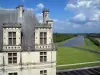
pixel 67 55
pixel 90 45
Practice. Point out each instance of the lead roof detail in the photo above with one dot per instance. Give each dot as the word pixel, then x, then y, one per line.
pixel 10 17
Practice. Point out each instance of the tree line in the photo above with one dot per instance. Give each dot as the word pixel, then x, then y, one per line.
pixel 59 37
pixel 92 38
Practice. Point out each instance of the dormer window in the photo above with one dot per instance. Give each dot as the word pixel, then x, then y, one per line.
pixel 43 37
pixel 12 38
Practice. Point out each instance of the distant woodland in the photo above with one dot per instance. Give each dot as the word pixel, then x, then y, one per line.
pixel 59 37
pixel 93 37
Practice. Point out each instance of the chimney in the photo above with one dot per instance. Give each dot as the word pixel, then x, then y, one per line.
pixel 20 10
pixel 45 15
pixel 49 22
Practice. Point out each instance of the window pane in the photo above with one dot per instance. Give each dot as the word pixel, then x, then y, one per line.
pixel 12 38
pixel 14 34
pixel 15 73
pixel 41 72
pixel 41 53
pixel 41 58
pixel 14 41
pixel 45 53
pixel 41 34
pixel 41 40
pixel 14 54
pixel 10 34
pixel 10 60
pixel 45 35
pixel 45 71
pixel 45 58
pixel 10 41
pixel 14 59
pixel 10 74
pixel 9 54
pixel 45 41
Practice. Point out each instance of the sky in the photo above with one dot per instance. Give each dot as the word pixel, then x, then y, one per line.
pixel 69 16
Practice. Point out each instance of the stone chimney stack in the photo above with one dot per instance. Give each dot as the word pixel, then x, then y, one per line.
pixel 45 15
pixel 49 22
pixel 20 10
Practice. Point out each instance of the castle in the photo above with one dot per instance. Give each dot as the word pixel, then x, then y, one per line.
pixel 26 46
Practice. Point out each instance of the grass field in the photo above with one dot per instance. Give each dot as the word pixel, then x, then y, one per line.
pixel 90 45
pixel 67 55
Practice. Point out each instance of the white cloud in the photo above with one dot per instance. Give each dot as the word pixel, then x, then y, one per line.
pixel 79 17
pixel 55 20
pixel 83 3
pixel 95 17
pixel 39 17
pixel 40 6
pixel 70 6
pixel 79 4
pixel 86 17
pixel 85 10
pixel 40 21
pixel 76 25
pixel 72 27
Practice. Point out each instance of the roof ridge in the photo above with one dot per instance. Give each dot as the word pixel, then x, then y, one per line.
pixel 6 9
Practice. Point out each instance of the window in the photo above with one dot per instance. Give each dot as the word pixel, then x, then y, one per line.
pixel 12 38
pixel 43 37
pixel 43 72
pixel 43 56
pixel 12 58
pixel 13 73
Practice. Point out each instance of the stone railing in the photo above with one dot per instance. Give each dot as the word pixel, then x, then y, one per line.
pixel 45 47
pixel 7 47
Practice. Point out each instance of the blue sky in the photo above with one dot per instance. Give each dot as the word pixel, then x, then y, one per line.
pixel 70 16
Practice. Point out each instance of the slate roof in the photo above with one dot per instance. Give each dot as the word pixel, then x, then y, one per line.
pixel 11 25
pixel 27 23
